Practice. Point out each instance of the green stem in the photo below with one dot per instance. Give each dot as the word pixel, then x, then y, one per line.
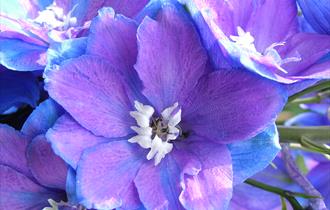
pixel 318 87
pixel 294 134
pixel 309 100
pixel 286 194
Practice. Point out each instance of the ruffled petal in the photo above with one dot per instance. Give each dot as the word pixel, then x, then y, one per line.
pixel 42 118
pixel 49 169
pixel 230 106
pixel 105 175
pixel 211 187
pixel 12 149
pixel 94 93
pixel 18 192
pixel 69 139
pixel 171 58
pixel 113 37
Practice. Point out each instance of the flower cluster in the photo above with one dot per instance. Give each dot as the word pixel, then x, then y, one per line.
pixel 160 104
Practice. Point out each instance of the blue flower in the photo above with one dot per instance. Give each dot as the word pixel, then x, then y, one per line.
pixel 28 29
pixel 150 124
pixel 247 34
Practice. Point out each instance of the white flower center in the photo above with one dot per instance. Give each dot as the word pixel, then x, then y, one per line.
pixel 55 205
pixel 53 17
pixel 245 41
pixel 156 133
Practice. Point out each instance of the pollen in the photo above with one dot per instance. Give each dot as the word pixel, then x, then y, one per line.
pixel 156 133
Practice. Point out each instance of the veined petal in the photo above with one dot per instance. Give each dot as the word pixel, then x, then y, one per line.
pixel 229 106
pixel 98 182
pixel 171 58
pixel 253 155
pixel 49 169
pixel 94 93
pixel 69 139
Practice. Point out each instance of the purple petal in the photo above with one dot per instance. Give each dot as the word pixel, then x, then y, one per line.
pixel 266 29
pixel 69 139
pixel 19 192
pixel 12 149
pixel 49 169
pixel 171 58
pixel 211 187
pixel 105 175
pixel 319 176
pixel 230 106
pixel 113 37
pixel 42 118
pixel 159 186
pixel 310 48
pixel 94 93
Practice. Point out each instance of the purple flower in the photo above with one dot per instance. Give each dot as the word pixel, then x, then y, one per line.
pixel 28 29
pixel 248 34
pixel 149 121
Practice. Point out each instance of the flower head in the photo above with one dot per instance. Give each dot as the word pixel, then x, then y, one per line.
pixel 273 48
pixel 150 121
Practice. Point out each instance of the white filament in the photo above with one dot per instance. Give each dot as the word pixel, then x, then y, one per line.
pixel 158 147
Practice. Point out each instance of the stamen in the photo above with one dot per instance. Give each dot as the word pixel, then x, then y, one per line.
pixel 156 133
pixel 245 41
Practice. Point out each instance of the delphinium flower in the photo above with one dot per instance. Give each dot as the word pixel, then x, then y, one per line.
pixel 151 125
pixel 264 37
pixel 317 14
pixel 28 28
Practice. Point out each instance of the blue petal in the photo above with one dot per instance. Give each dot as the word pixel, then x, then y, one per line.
pixel 42 118
pixel 71 186
pixel 17 88
pixel 253 155
pixel 18 55
pixel 317 14
pixel 308 119
pixel 59 52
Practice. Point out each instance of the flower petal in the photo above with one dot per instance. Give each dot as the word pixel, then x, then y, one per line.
pixel 12 149
pixel 113 37
pixel 105 175
pixel 319 177
pixel 94 93
pixel 22 56
pixel 311 48
pixel 253 155
pixel 211 187
pixel 230 106
pixel 171 58
pixel 42 118
pixel 18 192
pixel 265 29
pixel 159 186
pixel 49 169
pixel 69 139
